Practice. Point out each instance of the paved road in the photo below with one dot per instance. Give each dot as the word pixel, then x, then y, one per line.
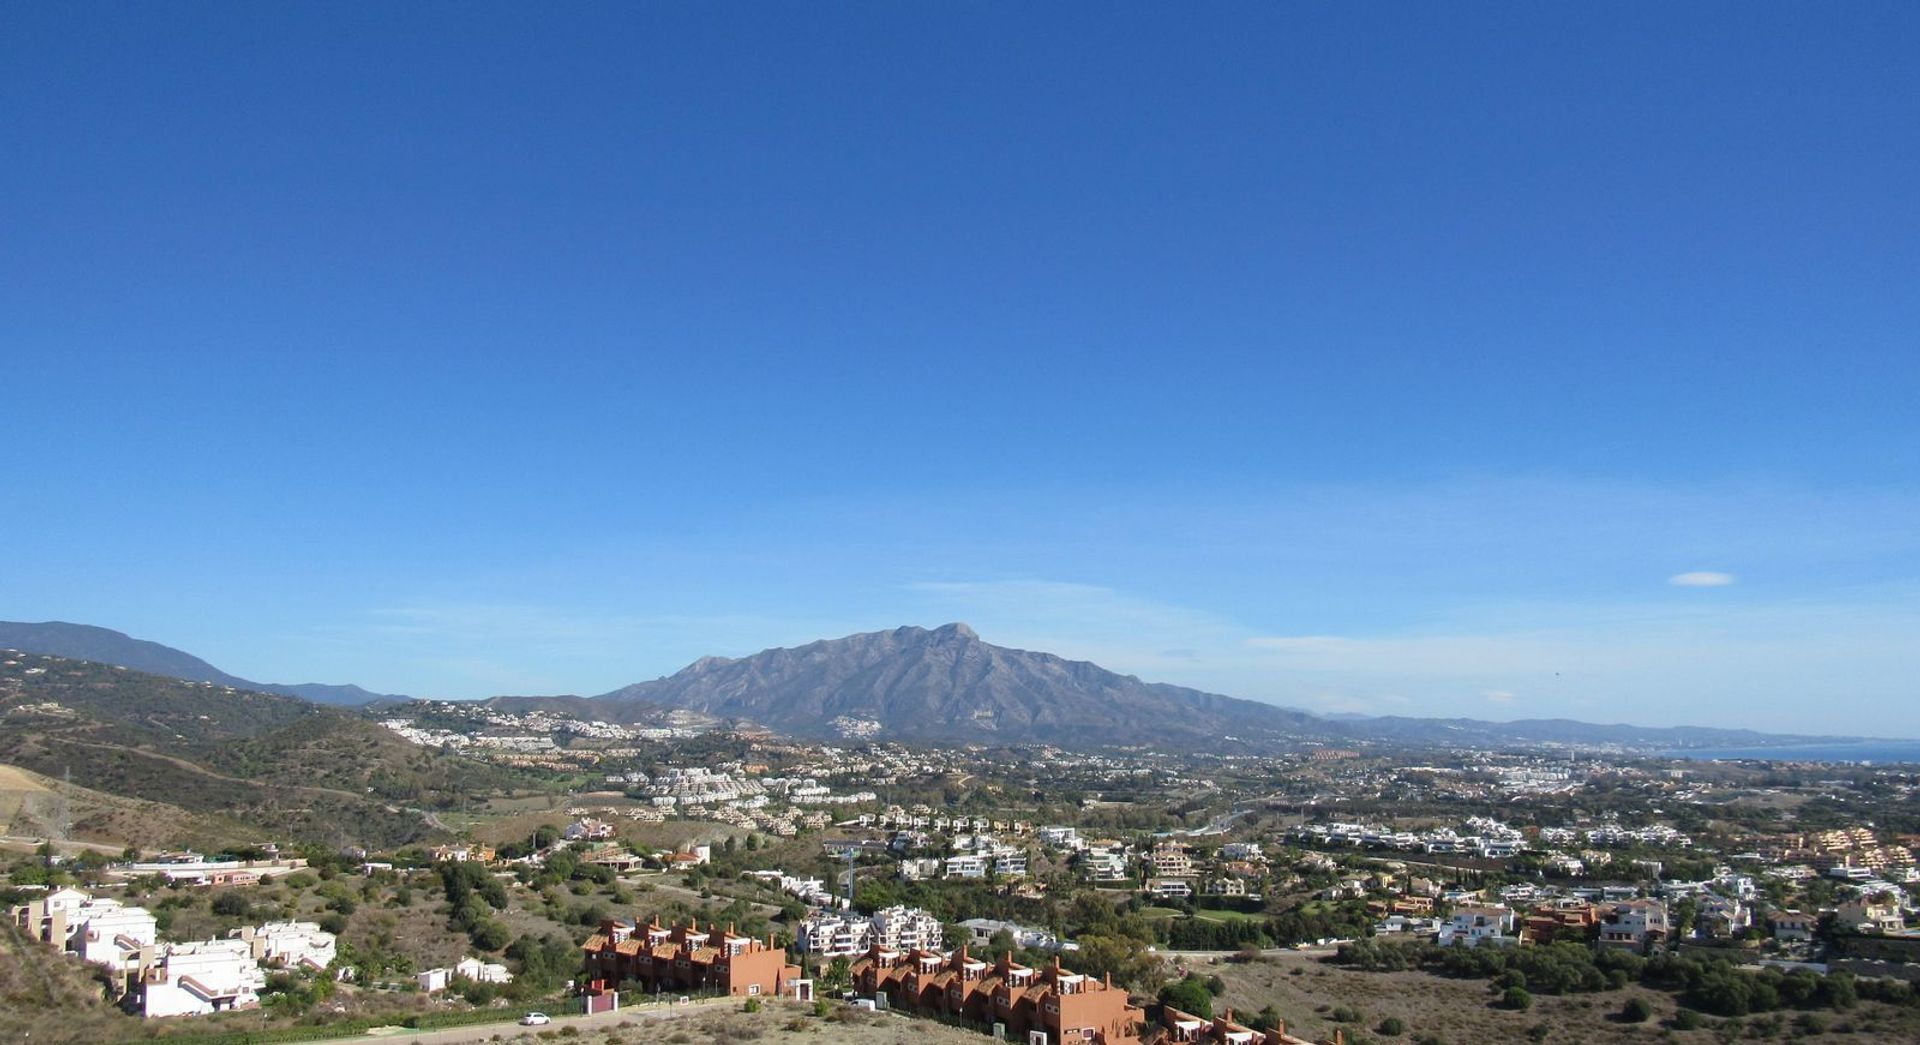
pixel 486 1031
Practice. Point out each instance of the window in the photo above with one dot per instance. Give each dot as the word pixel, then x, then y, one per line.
pixel 753 988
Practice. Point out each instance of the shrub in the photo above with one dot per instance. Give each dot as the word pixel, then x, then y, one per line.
pixel 1517 999
pixel 490 935
pixel 1392 1026
pixel 1190 996
pixel 1266 1019
pixel 752 1005
pixel 1637 1010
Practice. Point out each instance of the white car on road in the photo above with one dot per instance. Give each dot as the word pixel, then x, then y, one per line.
pixel 535 1019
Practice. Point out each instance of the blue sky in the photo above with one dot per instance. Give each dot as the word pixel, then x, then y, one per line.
pixel 1358 357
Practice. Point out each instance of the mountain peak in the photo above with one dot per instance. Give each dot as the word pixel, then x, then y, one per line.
pixel 947 684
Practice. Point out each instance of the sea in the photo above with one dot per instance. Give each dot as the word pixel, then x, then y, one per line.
pixel 1878 752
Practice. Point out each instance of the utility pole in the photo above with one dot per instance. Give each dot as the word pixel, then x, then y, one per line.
pixel 62 811
pixel 852 854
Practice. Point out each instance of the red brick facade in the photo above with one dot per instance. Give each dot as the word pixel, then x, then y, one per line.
pixel 686 958
pixel 1069 1008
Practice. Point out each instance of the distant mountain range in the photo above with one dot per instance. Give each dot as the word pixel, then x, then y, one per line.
pixel 945 684
pixel 105 646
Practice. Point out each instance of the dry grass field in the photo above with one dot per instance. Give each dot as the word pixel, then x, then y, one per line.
pixel 28 802
pixel 781 1024
pixel 1306 991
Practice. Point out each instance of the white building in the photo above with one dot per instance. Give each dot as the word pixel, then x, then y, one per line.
pixel 1060 837
pixel 1722 917
pixel 1634 925
pixel 291 944
pixel 1474 926
pixel 981 931
pixel 967 865
pixel 201 978
pixel 1106 865
pixel 432 981
pixel 915 869
pixel 830 935
pixel 481 972
pixel 107 932
pixel 587 829
pixel 906 929
pixel 102 931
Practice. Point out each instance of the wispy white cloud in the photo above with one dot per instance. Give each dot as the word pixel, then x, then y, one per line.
pixel 1701 579
pixel 1499 696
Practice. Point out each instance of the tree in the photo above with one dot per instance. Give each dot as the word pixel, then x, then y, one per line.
pixel 1002 942
pixel 1125 958
pixel 1189 995
pixel 490 935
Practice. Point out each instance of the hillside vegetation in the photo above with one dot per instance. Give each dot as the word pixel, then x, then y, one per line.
pixel 294 769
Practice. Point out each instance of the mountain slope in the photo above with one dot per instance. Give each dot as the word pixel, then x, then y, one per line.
pixel 106 646
pixel 946 684
pixel 289 768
